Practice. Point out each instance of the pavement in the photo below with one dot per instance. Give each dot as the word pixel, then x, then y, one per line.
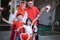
pixel 5 35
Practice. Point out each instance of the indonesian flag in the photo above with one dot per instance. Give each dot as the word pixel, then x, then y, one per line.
pixel 47 8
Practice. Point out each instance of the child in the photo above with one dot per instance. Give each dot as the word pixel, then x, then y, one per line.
pixel 16 24
pixel 28 30
pixel 28 35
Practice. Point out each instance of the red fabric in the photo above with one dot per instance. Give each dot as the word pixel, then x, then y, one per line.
pixel 16 24
pixel 20 11
pixel 24 36
pixel 32 13
pixel 31 38
pixel 22 30
pixel 46 8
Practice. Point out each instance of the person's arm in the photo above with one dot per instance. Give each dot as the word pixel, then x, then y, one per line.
pixel 25 17
pixel 39 14
pixel 6 21
pixel 35 20
pixel 43 9
pixel 19 28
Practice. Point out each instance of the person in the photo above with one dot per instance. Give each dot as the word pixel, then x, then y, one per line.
pixel 28 35
pixel 16 24
pixel 28 30
pixel 32 12
pixel 21 10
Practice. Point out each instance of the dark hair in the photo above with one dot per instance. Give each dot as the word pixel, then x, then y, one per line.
pixel 27 20
pixel 19 14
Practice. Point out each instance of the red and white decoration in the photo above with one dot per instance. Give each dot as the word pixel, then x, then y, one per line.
pixel 47 8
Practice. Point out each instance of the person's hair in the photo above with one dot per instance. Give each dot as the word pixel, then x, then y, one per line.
pixel 23 2
pixel 19 14
pixel 27 20
pixel 30 1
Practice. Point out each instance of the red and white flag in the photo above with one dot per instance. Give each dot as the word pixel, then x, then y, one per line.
pixel 47 8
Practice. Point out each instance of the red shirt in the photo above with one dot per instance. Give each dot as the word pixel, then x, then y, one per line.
pixel 16 25
pixel 32 12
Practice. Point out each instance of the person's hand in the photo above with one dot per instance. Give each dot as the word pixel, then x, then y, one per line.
pixel 43 9
pixel 3 19
pixel 35 34
pixel 38 16
pixel 17 30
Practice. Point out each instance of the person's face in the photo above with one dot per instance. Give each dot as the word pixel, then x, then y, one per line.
pixel 30 4
pixel 28 22
pixel 23 7
pixel 19 17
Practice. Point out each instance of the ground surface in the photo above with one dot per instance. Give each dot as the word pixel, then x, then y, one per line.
pixel 5 35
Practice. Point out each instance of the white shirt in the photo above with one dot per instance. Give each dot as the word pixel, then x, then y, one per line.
pixel 12 16
pixel 25 17
pixel 28 29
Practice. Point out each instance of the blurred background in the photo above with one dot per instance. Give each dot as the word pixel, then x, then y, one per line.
pixel 53 18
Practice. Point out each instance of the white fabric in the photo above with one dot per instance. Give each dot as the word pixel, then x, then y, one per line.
pixel 35 28
pixel 10 3
pixel 48 6
pixel 30 2
pixel 25 17
pixel 1 8
pixel 12 16
pixel 28 29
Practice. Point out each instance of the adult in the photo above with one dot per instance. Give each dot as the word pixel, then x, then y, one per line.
pixel 16 25
pixel 32 12
pixel 12 15
pixel 21 10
